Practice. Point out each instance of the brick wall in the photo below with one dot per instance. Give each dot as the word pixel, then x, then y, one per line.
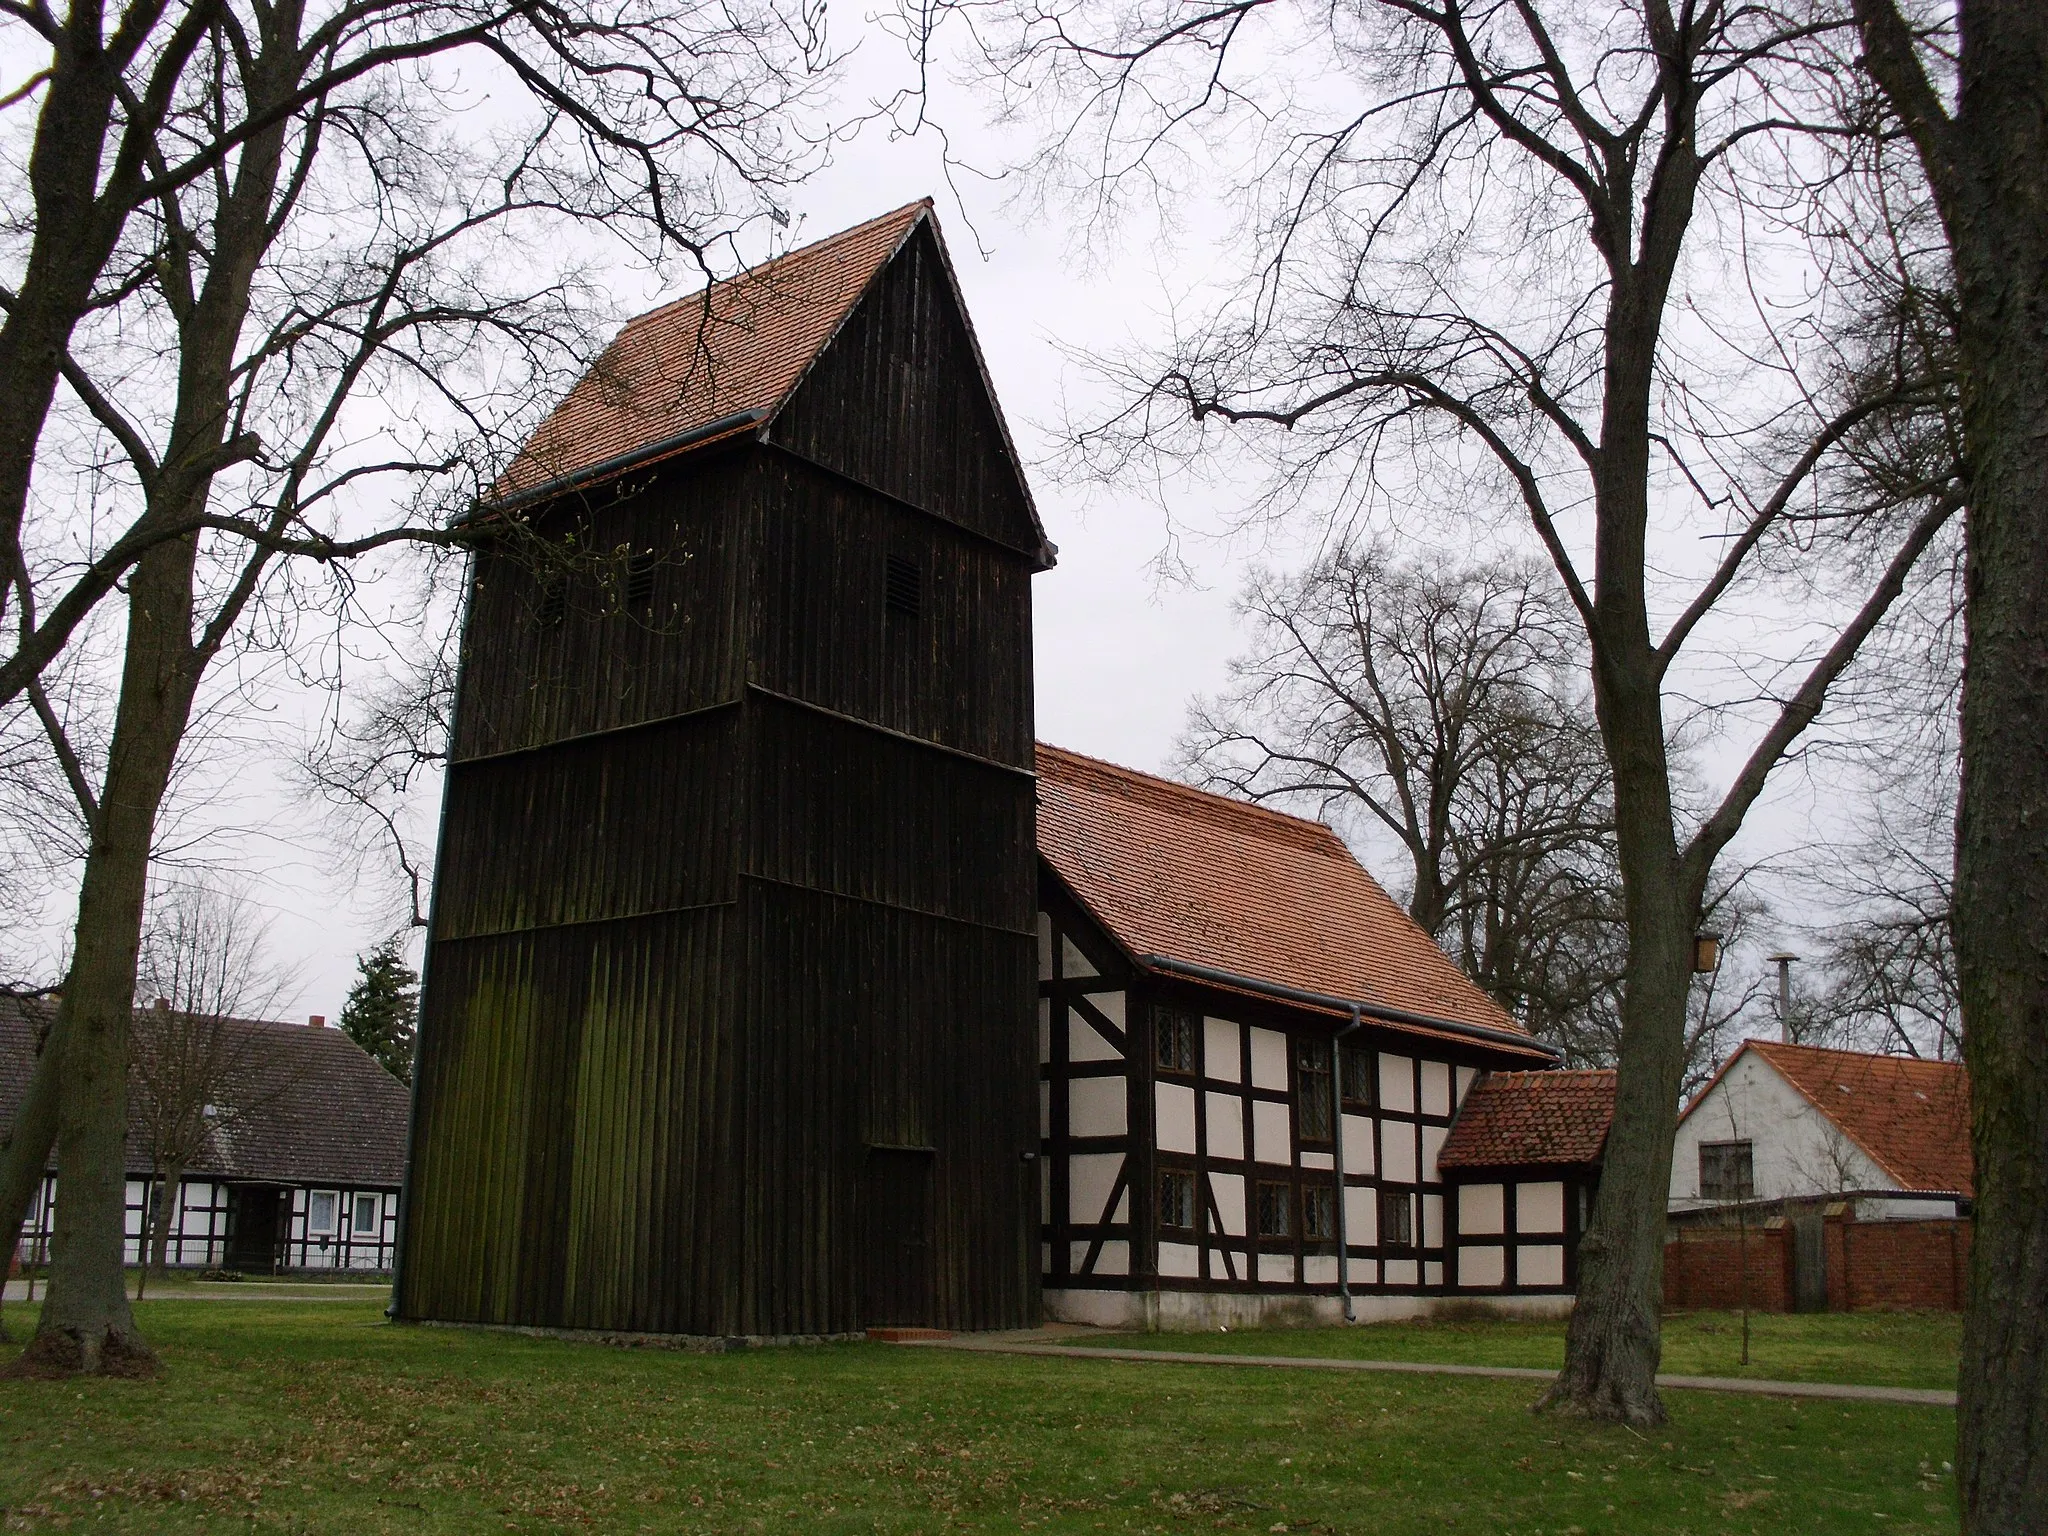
pixel 1703 1269
pixel 1871 1266
pixel 1883 1265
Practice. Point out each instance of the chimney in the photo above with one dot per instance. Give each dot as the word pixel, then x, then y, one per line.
pixel 316 1021
pixel 162 1005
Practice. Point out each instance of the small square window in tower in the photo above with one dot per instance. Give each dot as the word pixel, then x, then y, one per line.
pixel 903 587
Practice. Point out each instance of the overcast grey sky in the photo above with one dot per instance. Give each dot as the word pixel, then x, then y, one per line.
pixel 1119 650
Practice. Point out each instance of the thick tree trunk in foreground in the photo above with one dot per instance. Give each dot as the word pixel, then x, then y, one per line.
pixel 1988 166
pixel 2001 900
pixel 86 1324
pixel 25 1156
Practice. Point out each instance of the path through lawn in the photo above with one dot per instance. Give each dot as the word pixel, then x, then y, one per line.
pixel 1871 1349
pixel 321 1418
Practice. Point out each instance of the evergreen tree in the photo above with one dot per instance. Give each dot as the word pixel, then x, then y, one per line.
pixel 383 1007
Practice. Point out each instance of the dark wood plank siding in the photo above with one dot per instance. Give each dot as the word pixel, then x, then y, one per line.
pixel 603 665
pixel 737 890
pixel 959 673
pixel 898 402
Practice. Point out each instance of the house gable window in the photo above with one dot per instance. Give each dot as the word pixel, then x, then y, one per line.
pixel 1727 1171
pixel 1312 1086
pixel 321 1206
pixel 364 1219
pixel 1177 1200
pixel 1173 1039
pixel 1276 1210
pixel 1397 1219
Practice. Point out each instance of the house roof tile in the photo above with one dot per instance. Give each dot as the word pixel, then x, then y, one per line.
pixel 1195 877
pixel 322 1110
pixel 1911 1116
pixel 1512 1119
pixel 735 346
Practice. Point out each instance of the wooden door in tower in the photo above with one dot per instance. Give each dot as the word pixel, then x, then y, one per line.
pixel 897 1203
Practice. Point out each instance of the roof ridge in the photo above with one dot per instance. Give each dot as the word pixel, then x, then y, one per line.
pixel 762 269
pixel 1321 832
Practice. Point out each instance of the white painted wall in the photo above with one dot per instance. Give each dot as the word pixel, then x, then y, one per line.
pixel 1794 1149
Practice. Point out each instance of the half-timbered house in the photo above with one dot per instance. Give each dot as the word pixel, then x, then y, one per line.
pixel 1520 1169
pixel 1250 1059
pixel 303 1175
pixel 726 1018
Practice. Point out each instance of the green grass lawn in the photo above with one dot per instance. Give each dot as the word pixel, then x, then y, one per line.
pixel 322 1418
pixel 1877 1349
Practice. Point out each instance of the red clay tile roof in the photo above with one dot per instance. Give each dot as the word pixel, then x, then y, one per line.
pixel 1512 1119
pixel 1202 879
pixel 1911 1116
pixel 739 345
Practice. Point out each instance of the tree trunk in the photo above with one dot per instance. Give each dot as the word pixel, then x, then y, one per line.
pixel 1999 230
pixel 25 1156
pixel 86 1325
pixel 1613 1343
pixel 171 1185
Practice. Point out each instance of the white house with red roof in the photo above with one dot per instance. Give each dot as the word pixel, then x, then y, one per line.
pixel 1799 1123
pixel 1250 1061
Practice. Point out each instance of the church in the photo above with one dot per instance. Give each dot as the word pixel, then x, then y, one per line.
pixel 780 985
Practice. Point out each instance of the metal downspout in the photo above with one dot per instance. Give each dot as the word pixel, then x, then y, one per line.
pixel 1337 1149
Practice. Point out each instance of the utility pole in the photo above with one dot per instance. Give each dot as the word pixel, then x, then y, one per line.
pixel 1784 962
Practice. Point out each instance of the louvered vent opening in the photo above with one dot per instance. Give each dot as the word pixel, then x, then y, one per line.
pixel 553 604
pixel 640 581
pixel 904 585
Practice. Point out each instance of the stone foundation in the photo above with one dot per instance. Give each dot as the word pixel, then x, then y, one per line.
pixel 1207 1311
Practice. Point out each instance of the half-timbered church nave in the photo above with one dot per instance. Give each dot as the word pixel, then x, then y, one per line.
pixel 779 984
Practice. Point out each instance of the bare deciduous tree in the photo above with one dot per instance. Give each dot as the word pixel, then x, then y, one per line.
pixel 201 1067
pixel 1442 707
pixel 1973 100
pixel 346 294
pixel 1628 268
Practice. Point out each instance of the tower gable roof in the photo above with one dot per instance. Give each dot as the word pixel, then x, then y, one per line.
pixel 723 362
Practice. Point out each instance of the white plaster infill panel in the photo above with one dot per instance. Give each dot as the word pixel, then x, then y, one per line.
pixel 1180 1259
pixel 1269 1059
pixel 1173 1112
pixel 1540 1264
pixel 1221 1056
pixel 1087 1043
pixel 1229 1192
pixel 1272 1135
pixel 1539 1207
pixel 1433 1137
pixel 1482 1265
pixel 1358 1140
pixel 1097 1106
pixel 1397 1084
pixel 1432 1221
pixel 1482 1211
pixel 1090 1177
pixel 1276 1269
pixel 1361 1218
pixel 1397 1151
pixel 1462 1081
pixel 1044 1031
pixel 1436 1088
pixel 1226 1126
pixel 1073 962
pixel 1045 946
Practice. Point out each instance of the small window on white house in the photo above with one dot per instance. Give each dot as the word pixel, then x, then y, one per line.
pixel 1727 1171
pixel 1276 1210
pixel 1319 1213
pixel 1176 1199
pixel 320 1209
pixel 1397 1219
pixel 365 1224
